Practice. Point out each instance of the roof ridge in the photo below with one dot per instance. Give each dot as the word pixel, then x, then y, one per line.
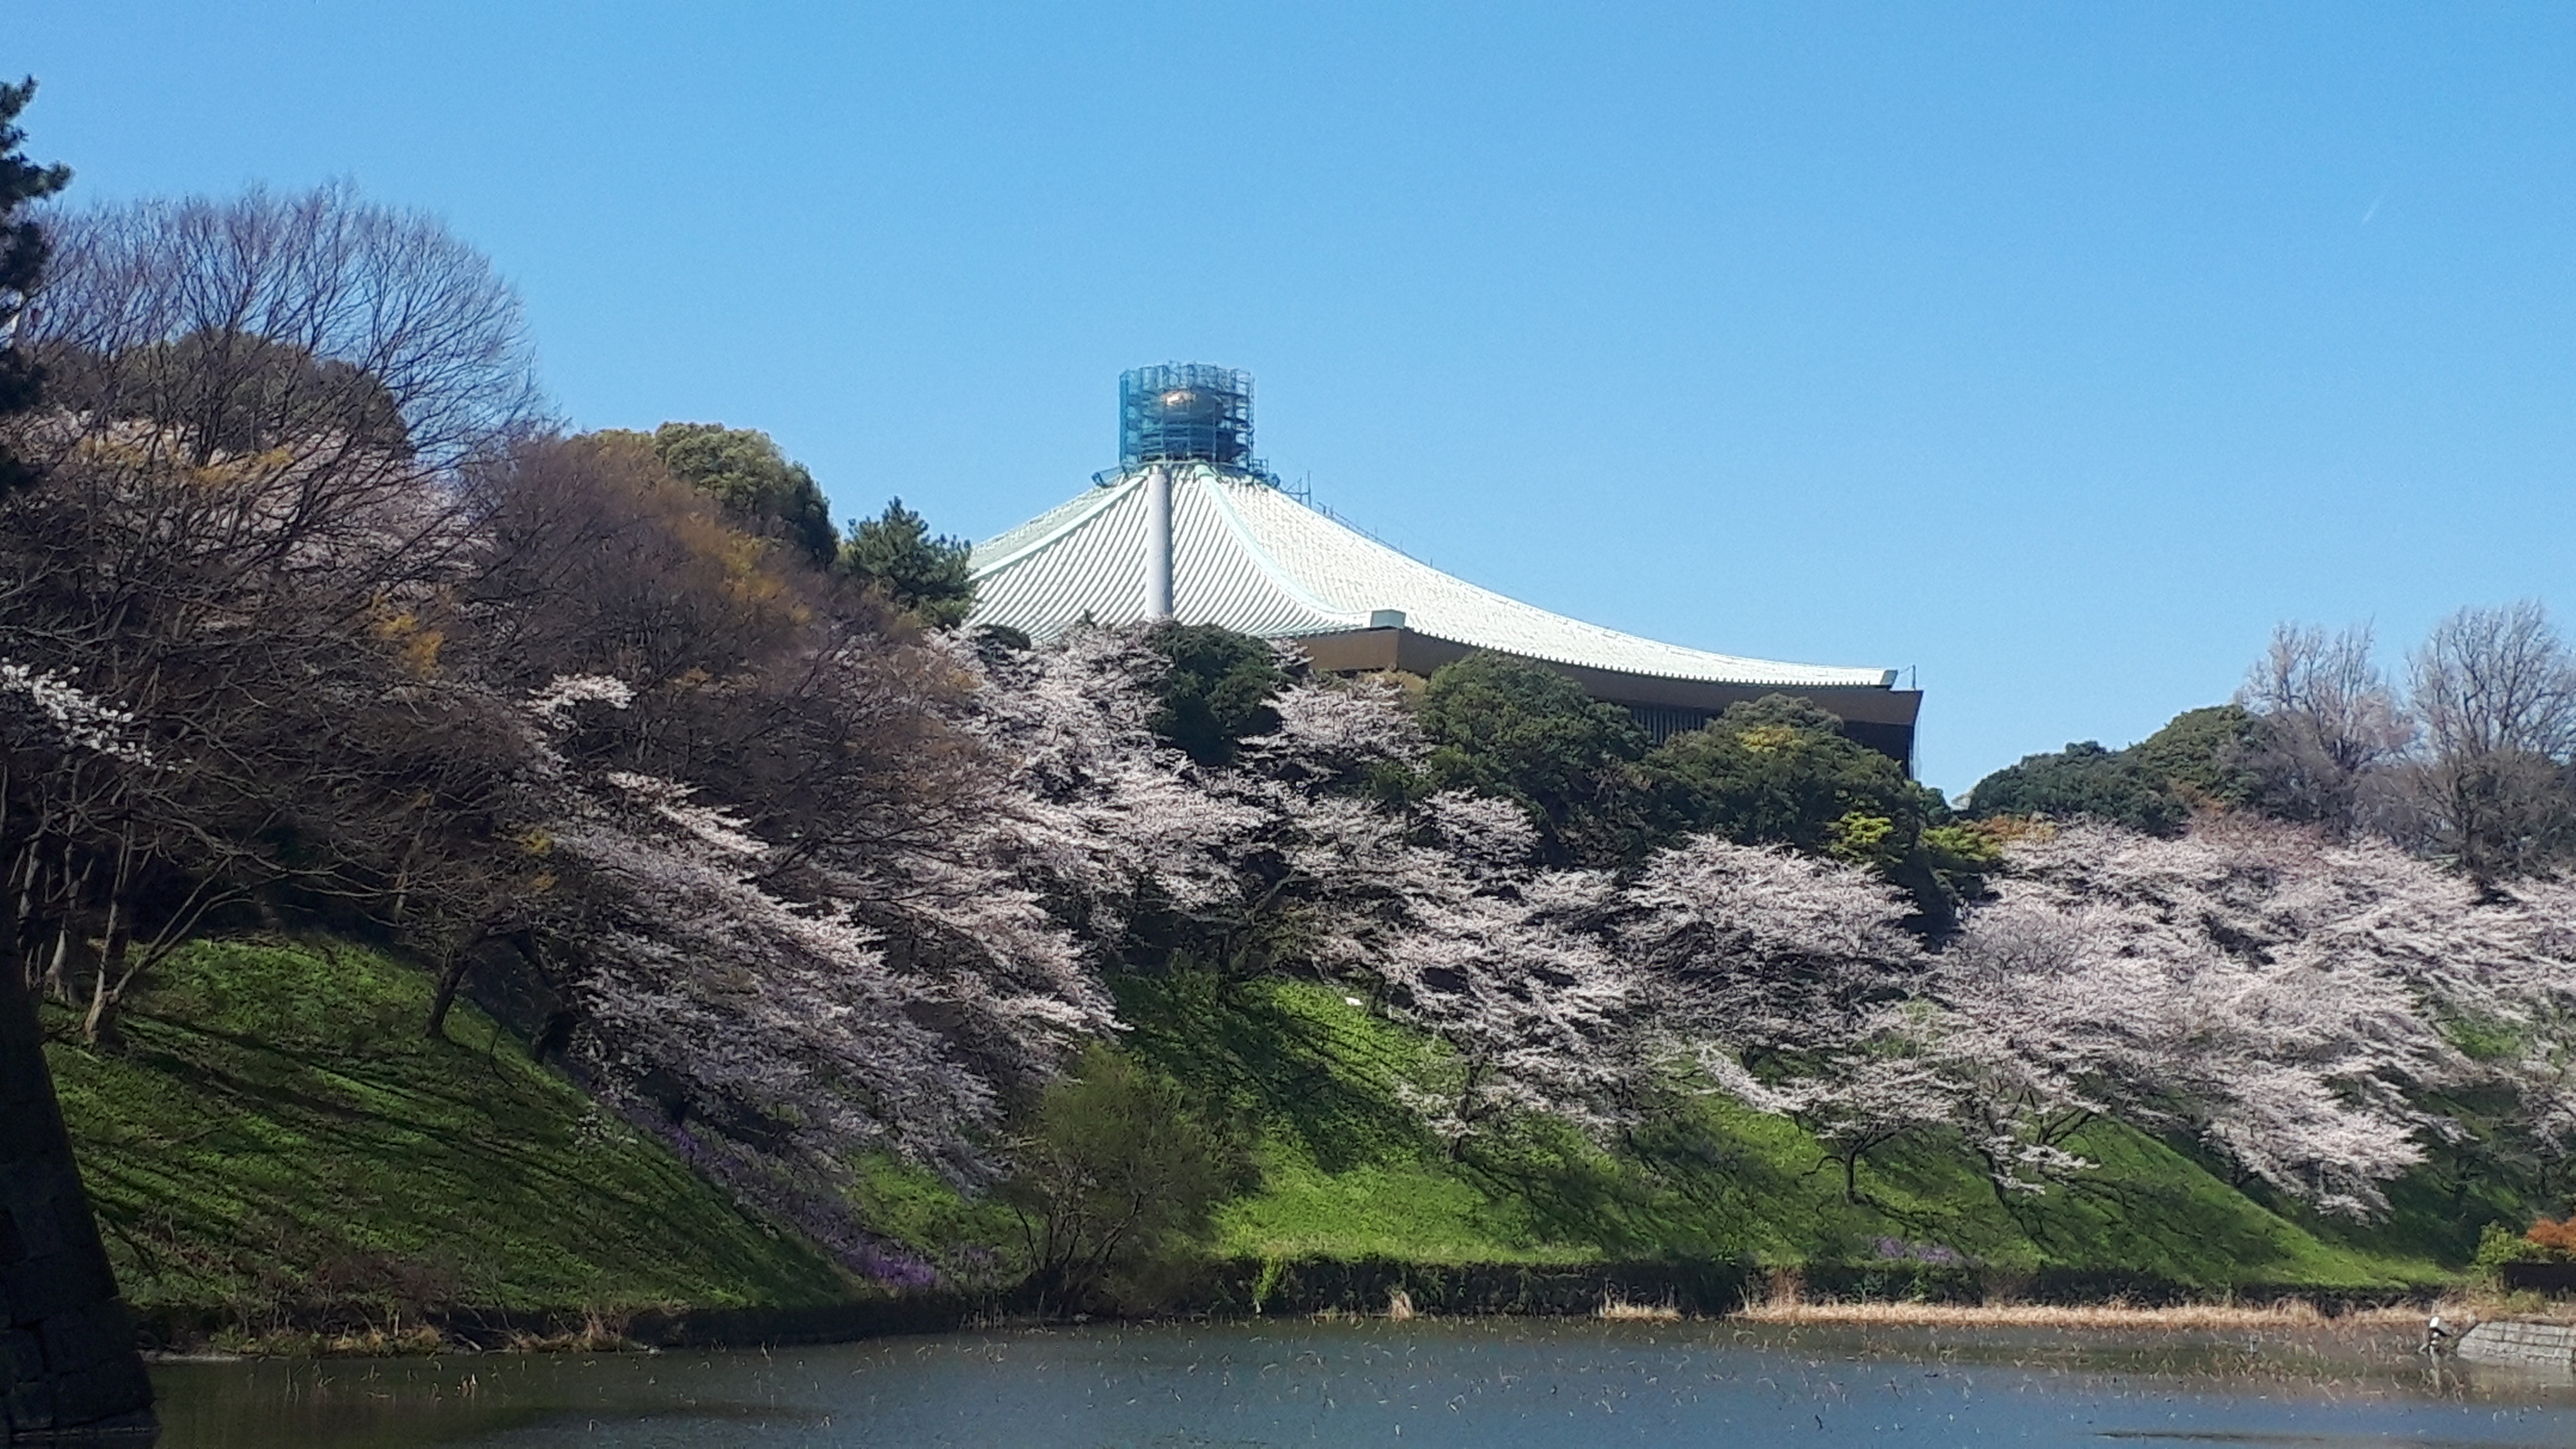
pixel 1077 511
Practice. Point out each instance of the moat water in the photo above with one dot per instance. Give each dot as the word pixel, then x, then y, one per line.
pixel 1474 1384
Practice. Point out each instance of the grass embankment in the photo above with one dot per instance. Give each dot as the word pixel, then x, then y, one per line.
pixel 278 1143
pixel 1348 1173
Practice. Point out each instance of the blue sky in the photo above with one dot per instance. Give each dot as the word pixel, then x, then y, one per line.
pixel 2053 351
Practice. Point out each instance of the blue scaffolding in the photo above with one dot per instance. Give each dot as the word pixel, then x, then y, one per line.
pixel 1188 412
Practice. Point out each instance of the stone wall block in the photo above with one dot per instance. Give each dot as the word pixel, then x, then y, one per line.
pixel 85 1338
pixel 2527 1345
pixel 75 1227
pixel 26 1134
pixel 104 1395
pixel 34 1204
pixel 68 1367
pixel 29 1406
pixel 39 1288
pixel 22 1356
pixel 20 1086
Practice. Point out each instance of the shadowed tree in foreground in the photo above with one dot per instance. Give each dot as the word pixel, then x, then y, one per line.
pixel 67 1360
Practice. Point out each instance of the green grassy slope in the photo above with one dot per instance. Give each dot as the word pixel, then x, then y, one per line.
pixel 1349 1173
pixel 278 1135
pixel 277 1139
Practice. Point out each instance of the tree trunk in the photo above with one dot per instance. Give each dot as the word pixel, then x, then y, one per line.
pixel 98 1028
pixel 98 1024
pixel 450 978
pixel 53 983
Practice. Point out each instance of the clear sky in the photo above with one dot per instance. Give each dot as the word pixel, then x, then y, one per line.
pixel 2055 351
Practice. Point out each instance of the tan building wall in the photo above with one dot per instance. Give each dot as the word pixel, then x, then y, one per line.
pixel 1882 719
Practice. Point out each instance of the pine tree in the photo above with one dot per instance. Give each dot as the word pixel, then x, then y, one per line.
pixel 22 262
pixel 922 574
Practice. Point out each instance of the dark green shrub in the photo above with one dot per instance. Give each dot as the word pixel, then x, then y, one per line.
pixel 1215 690
pixel 1503 726
pixel 2199 759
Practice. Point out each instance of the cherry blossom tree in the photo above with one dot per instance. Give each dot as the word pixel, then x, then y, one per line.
pixel 1447 910
pixel 781 1022
pixel 1283 859
pixel 1112 818
pixel 1765 953
pixel 1788 982
pixel 2251 983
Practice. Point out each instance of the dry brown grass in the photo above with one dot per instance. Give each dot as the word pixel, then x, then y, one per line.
pixel 395 1342
pixel 2482 1301
pixel 2291 1313
pixel 1620 1310
pixel 597 1334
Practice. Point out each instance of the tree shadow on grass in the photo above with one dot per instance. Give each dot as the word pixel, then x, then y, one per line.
pixel 1724 1193
pixel 351 1155
pixel 2147 1208
pixel 1276 1059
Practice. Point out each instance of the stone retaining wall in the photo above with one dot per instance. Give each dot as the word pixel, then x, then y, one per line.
pixel 2526 1345
pixel 68 1367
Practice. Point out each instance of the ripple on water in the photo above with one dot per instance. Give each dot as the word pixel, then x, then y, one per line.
pixel 1490 1384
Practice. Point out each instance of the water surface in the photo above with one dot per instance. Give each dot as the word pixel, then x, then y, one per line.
pixel 1490 1384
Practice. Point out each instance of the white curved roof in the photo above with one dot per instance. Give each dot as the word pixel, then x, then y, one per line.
pixel 1254 559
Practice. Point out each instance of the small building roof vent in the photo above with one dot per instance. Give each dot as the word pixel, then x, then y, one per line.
pixel 1187 412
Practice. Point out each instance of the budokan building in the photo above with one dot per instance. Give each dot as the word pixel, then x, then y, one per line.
pixel 1192 527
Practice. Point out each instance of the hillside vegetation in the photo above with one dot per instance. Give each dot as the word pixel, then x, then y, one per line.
pixel 1344 1178
pixel 278 1145
pixel 1346 1170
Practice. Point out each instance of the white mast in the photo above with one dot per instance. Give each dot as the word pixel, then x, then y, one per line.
pixel 1158 541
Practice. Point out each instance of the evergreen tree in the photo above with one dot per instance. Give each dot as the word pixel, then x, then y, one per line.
pixel 1779 771
pixel 2084 779
pixel 924 575
pixel 2200 758
pixel 22 261
pixel 1216 691
pixel 1504 726
pixel 745 470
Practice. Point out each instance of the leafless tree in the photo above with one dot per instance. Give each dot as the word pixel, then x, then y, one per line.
pixel 356 341
pixel 297 730
pixel 2496 691
pixel 245 535
pixel 2330 725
